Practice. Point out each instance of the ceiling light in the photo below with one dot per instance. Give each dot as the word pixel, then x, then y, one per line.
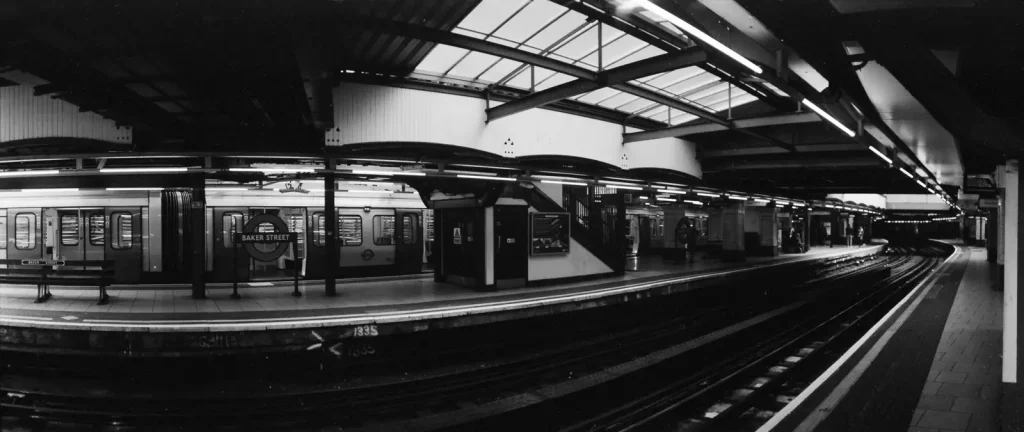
pixel 641 197
pixel 479 177
pixel 826 116
pixel 620 180
pixel 880 154
pixel 761 200
pixel 782 202
pixel 142 170
pixel 134 189
pixel 921 183
pixel 557 177
pixel 56 190
pixel 907 173
pixel 670 191
pixel 708 195
pixel 563 182
pixel 615 186
pixel 274 170
pixel 686 27
pixel 485 167
pixel 666 199
pixel 389 173
pixel 738 197
pixel 693 202
pixel 218 189
pixel 28 173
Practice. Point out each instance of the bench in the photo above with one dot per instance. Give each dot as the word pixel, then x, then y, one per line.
pixel 43 273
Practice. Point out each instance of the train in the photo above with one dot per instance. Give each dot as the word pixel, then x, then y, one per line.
pixel 147 233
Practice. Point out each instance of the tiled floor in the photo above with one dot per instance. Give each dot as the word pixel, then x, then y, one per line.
pixel 134 300
pixel 963 385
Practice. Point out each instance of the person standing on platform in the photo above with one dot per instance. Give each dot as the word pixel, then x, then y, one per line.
pixel 849 236
pixel 681 239
pixel 860 235
pixel 691 242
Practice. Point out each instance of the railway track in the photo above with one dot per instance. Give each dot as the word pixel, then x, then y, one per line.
pixel 35 395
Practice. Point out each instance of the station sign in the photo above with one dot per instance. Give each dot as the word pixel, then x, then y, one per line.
pixel 988 203
pixel 250 238
pixel 245 238
pixel 42 262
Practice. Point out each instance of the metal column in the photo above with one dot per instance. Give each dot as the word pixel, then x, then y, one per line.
pixel 198 217
pixel 331 230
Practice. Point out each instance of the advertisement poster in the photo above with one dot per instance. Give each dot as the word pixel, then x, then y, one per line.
pixel 550 233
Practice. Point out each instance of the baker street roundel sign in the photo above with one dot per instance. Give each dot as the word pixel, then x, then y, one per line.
pixel 249 237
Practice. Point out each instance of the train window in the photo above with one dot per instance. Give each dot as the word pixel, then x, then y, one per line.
pixel 383 230
pixel 350 230
pixel 319 238
pixel 231 223
pixel 122 230
pixel 408 229
pixel 25 231
pixel 97 231
pixel 3 231
pixel 69 230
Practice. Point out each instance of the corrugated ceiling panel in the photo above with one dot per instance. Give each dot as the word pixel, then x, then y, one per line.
pixel 24 116
pixel 489 14
pixel 440 59
pixel 531 19
pixel 555 79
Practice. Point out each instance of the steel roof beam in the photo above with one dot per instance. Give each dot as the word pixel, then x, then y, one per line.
pixel 684 130
pixel 611 77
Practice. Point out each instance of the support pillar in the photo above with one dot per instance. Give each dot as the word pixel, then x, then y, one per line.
pixel 198 218
pixel 768 226
pixel 620 231
pixel 733 245
pixel 1012 401
pixel 330 231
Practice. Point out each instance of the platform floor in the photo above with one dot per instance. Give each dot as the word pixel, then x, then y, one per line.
pixel 932 366
pixel 267 301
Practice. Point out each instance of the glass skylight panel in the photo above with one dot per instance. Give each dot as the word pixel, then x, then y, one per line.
pixel 691 84
pixel 617 100
pixel 707 90
pixel 682 118
pixel 645 53
pixel 555 79
pixel 499 70
pixel 657 112
pixel 714 98
pixel 530 20
pixel 522 80
pixel 473 65
pixel 673 77
pixel 580 45
pixel 440 59
pixel 561 27
pixel 489 14
pixel 736 101
pixel 634 106
pixel 615 50
pixel 598 95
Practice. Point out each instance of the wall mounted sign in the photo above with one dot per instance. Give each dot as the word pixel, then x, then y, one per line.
pixel 549 233
pixel 457 236
pixel 988 203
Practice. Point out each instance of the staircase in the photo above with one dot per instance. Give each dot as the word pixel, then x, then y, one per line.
pixel 589 227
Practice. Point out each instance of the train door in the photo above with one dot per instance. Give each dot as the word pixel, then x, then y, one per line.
pixel 124 242
pixel 510 246
pixel 409 248
pixel 316 242
pixel 24 233
pixel 94 234
pixel 3 236
pixel 70 244
pixel 295 257
pixel 226 222
pixel 261 269
pixel 645 235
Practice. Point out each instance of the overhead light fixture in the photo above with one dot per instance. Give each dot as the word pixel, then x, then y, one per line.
pixel 273 170
pixel 141 170
pixel 642 198
pixel 708 195
pixel 782 202
pixel 485 167
pixel 907 173
pixel 55 190
pixel 620 180
pixel 828 117
pixel 615 186
pixel 134 189
pixel 738 197
pixel 221 189
pixel 686 27
pixel 672 191
pixel 880 154
pixel 28 173
pixel 672 184
pixel 563 182
pixel 389 173
pixel 761 200
pixel 551 177
pixel 921 183
pixel 798 204
pixel 480 177
pixel 666 199
pixel 693 202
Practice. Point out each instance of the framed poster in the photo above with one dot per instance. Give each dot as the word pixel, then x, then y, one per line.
pixel 549 233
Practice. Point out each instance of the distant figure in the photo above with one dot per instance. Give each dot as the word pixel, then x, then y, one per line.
pixel 681 239
pixel 849 236
pixel 860 235
pixel 691 242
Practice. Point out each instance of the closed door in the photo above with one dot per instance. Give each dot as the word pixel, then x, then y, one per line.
pixel 124 242
pixel 226 265
pixel 510 246
pixel 24 233
pixel 316 243
pixel 94 232
pixel 70 236
pixel 409 252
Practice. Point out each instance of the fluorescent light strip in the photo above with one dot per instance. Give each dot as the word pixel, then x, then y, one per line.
pixel 708 195
pixel 540 176
pixel 485 167
pixel 697 34
pixel 563 182
pixel 479 177
pixel 28 173
pixel 274 170
pixel 142 170
pixel 782 202
pixel 389 173
pixel 218 189
pixel 761 200
pixel 670 191
pixel 641 197
pixel 666 199
pixel 693 202
pixel 880 154
pixel 614 186
pixel 737 197
pixel 134 189
pixel 907 173
pixel 831 119
pixel 798 204
pixel 672 184
pixel 56 190
pixel 620 180
pixel 922 184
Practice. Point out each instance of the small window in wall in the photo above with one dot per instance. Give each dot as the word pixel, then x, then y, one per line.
pixel 97 231
pixel 3 231
pixel 408 229
pixel 384 230
pixel 25 231
pixel 69 230
pixel 121 233
pixel 350 230
pixel 319 238
pixel 231 223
